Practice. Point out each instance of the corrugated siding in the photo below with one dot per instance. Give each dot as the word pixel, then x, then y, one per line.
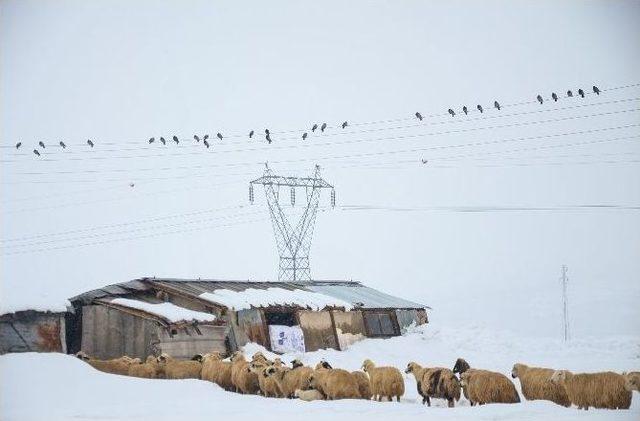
pixel 318 330
pixel 33 332
pixel 406 318
pixel 349 327
pixel 369 297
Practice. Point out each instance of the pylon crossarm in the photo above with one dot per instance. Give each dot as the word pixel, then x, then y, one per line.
pixel 277 180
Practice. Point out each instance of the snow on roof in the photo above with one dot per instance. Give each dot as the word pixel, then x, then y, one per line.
pixel 254 297
pixel 169 311
pixel 37 302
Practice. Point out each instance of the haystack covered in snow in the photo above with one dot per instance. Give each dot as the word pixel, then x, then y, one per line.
pixel 184 317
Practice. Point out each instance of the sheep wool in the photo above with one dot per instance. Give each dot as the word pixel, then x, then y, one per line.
pixel 385 381
pixel 598 390
pixel 536 384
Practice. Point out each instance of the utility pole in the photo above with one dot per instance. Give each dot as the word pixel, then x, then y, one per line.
pixel 565 302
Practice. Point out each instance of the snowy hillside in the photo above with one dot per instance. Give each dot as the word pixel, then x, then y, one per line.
pixel 56 387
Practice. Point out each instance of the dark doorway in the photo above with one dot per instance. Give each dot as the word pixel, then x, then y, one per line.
pixel 283 318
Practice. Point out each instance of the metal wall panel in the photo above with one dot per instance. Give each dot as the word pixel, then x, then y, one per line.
pixel 32 331
pixel 318 330
pixel 349 327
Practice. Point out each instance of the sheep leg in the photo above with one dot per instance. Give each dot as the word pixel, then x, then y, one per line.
pixel 450 403
pixel 428 400
pixel 398 398
pixel 379 398
pixel 424 399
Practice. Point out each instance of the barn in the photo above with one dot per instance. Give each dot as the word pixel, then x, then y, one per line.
pixel 184 317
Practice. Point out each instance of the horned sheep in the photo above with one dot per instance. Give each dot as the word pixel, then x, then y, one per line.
pixel 535 383
pixel 483 386
pixel 599 390
pixel 385 381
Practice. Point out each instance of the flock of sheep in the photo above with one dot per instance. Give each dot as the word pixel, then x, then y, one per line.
pixel 268 378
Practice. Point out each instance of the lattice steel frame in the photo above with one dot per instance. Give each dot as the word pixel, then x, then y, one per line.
pixel 293 243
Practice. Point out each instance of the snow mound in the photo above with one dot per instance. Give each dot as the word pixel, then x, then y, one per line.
pixel 254 297
pixel 169 311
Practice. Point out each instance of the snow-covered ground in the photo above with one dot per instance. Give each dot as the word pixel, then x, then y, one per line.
pixel 54 386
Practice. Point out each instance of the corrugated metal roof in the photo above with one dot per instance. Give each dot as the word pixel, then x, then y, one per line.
pixel 350 291
pixel 358 294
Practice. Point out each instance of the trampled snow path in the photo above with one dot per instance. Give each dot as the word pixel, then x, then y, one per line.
pixel 57 387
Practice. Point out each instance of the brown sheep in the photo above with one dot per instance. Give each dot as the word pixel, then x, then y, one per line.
pixel 632 381
pixel 483 386
pixel 241 376
pixel 599 390
pixel 335 384
pixel 535 383
pixel 385 381
pixel 114 366
pixel 176 369
pixel 291 379
pixel 435 382
pixel 268 384
pixel 364 384
pixel 148 370
pixel 217 371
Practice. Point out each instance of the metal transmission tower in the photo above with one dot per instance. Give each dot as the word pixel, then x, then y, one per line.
pixel 293 241
pixel 565 302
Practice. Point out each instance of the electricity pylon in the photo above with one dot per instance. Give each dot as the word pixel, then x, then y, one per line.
pixel 293 242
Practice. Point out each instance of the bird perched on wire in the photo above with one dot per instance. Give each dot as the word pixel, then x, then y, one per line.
pixel 250 134
pixel 35 151
pixel 453 113
pixel 497 105
pixel 424 161
pixel 175 139
pixel 465 110
pixel 164 142
pixel 219 136
pixel 151 140
pixel 206 137
pixel 131 184
pixel 554 96
pixel 419 116
pixel 539 98
pixel 90 143
pixel 479 107
pixel 63 145
pixel 581 93
pixel 596 90
pixel 41 143
pixel 206 143
pixel 345 124
pixel 314 128
pixel 304 136
pixel 268 137
pixel 569 93
pixel 18 145
pixel 196 138
pixel 324 126
pixel 266 131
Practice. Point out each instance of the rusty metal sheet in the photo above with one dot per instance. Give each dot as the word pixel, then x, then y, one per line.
pixel 349 327
pixel 317 327
pixel 251 323
pixel 32 331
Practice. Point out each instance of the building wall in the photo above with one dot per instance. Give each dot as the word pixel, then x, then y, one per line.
pixel 318 330
pixel 185 342
pixel 32 331
pixel 349 327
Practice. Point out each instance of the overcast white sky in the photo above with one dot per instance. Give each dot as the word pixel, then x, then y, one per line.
pixel 119 72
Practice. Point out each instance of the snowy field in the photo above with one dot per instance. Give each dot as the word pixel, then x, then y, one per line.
pixel 56 387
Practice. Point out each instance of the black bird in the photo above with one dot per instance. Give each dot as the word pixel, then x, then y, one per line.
pixel 206 144
pixel 452 112
pixel 205 137
pixel 268 138
pixel 153 139
pixel 196 137
pixel 314 128
pixel 554 96
pixel 596 90
pixel 539 98
pixel 131 184
pixel 465 110
pixel 324 126
pixel 250 134
pixel 164 142
pixel 424 161
pixel 581 93
pixel 569 93
pixel 18 145
pixel 419 116
pixel 175 139
pixel 266 131
pixel 41 143
pixel 35 151
pixel 219 136
pixel 345 124
pixel 63 145
pixel 497 105
pixel 479 107
pixel 90 143
pixel 304 136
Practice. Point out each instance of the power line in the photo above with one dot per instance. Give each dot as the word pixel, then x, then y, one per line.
pixel 492 208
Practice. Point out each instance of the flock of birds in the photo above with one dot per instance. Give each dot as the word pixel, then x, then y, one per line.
pixel 322 127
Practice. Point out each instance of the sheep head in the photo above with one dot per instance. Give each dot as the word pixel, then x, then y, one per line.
pixel 83 356
pixel 632 381
pixel 367 365
pixel 164 358
pixel 259 356
pixel 517 370
pixel 412 367
pixel 237 356
pixel 323 365
pixel 197 357
pixel 461 366
pixel 296 363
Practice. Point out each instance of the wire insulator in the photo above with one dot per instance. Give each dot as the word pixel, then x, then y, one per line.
pixel 251 193
pixel 293 196
pixel 333 198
